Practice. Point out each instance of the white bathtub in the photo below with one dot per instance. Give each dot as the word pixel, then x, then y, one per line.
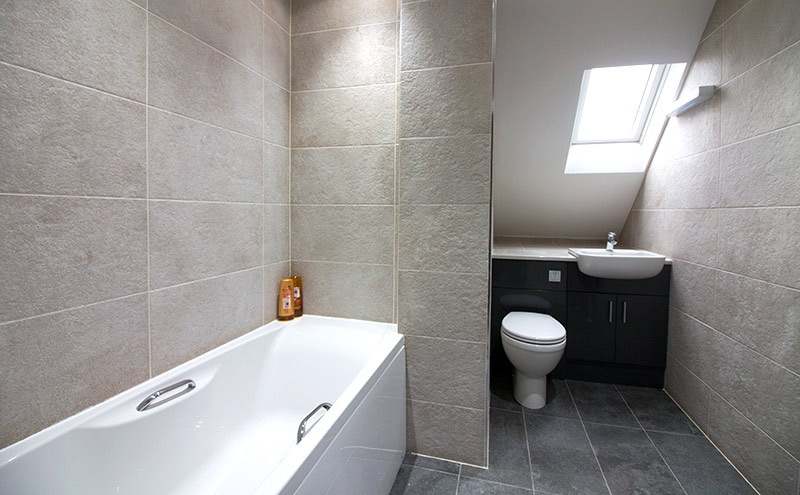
pixel 235 433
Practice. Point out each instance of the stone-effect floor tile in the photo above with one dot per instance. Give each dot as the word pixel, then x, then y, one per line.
pixel 631 463
pixel 508 451
pixel 656 411
pixel 561 457
pixel 419 481
pixel 433 463
pixel 699 467
pixel 470 486
pixel 601 403
pixel 502 395
pixel 559 402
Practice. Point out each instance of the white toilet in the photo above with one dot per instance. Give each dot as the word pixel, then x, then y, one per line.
pixel 534 343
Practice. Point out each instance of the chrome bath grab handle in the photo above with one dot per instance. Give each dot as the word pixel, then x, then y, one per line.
pixel 301 430
pixel 149 404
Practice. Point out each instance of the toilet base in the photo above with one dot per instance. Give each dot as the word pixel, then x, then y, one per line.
pixel 530 392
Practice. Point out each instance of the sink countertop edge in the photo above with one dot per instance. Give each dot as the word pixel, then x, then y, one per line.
pixel 544 253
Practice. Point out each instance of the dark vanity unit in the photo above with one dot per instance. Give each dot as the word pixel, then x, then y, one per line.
pixel 616 329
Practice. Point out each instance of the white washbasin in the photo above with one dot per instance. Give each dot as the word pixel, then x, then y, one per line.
pixel 619 263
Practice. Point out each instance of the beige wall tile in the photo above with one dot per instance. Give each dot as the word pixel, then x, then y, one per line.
pixel 693 182
pixel 688 391
pixel 190 319
pixel 446 371
pixel 691 235
pixel 357 234
pixel 56 365
pixel 759 30
pixel 447 305
pixel 690 342
pixel 447 432
pixel 279 11
pixel 344 57
pixel 272 278
pixel 98 43
pixel 760 315
pixel 361 174
pixel 191 78
pixel 364 115
pixel 277 53
pixel 58 253
pixel 232 27
pixel 762 171
pixel 768 467
pixel 445 102
pixel 763 99
pixel 276 114
pixel 653 188
pixel 761 243
pixel 191 241
pixel 277 172
pixel 192 160
pixel 706 67
pixel 730 7
pixel 445 170
pixel 444 238
pixel 715 19
pixel 692 290
pixel 59 138
pixel 648 229
pixel 346 290
pixel 276 233
pixel 695 131
pixel 317 15
pixel 446 32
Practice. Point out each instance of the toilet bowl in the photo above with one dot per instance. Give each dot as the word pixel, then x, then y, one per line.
pixel 534 343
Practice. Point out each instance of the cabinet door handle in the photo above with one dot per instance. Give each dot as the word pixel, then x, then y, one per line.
pixel 624 311
pixel 611 311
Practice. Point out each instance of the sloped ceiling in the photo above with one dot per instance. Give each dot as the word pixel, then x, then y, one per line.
pixel 543 47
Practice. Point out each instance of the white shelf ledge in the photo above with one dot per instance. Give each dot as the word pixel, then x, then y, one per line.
pixel 691 100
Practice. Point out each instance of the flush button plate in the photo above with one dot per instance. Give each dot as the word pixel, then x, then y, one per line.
pixel 554 276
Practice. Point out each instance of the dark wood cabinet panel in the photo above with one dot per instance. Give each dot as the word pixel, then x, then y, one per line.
pixel 642 330
pixel 590 326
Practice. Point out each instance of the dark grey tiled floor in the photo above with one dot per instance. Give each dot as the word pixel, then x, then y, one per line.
pixel 590 438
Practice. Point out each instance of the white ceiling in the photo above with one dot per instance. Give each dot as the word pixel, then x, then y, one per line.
pixel 543 47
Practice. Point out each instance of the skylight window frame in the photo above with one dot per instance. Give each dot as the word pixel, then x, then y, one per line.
pixel 644 113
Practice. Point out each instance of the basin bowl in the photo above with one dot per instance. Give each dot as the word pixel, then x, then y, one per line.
pixel 627 264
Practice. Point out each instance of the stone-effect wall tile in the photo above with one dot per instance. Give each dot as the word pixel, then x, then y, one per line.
pixel 447 432
pixel 190 241
pixel 364 115
pixel 715 19
pixel 59 364
pixel 689 392
pixel 276 233
pixel 695 131
pixel 360 234
pixel 648 230
pixel 346 290
pixel 97 43
pixel 445 170
pixel 690 342
pixel 446 32
pixel 444 238
pixel 730 7
pixel 763 463
pixel 277 171
pixel 191 78
pixel 192 160
pixel 693 182
pixel 755 313
pixel 445 102
pixel 362 175
pixel 446 371
pixel 771 255
pixel 276 114
pixel 55 135
pixel 191 319
pixel 272 279
pixel 653 188
pixel 691 235
pixel 446 305
pixel 277 53
pixel 279 11
pixel 232 27
pixel 763 99
pixel 318 15
pixel 758 31
pixel 706 67
pixel 692 290
pixel 762 171
pixel 59 253
pixel 344 57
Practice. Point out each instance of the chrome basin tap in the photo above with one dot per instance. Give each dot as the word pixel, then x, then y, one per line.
pixel 611 241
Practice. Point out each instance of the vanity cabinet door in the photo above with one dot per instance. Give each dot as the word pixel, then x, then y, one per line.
pixel 641 330
pixel 590 326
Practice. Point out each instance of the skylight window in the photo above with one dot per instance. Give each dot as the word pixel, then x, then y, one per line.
pixel 615 103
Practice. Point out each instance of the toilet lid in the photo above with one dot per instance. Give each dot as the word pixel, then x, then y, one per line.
pixel 536 328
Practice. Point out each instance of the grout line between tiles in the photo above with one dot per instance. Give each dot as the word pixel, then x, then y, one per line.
pixel 73 308
pixel 354 26
pixel 342 88
pixel 528 450
pixel 147 183
pixel 591 446
pixel 458 479
pixel 443 67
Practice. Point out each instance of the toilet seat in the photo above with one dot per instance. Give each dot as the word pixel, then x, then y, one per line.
pixel 533 328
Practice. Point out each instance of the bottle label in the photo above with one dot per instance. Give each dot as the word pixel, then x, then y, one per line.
pixel 297 292
pixel 287 303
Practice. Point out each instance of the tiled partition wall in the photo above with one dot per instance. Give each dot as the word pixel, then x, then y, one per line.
pixel 722 198
pixel 391 127
pixel 144 191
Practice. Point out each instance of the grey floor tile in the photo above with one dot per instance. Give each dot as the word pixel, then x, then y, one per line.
pixel 601 403
pixel 562 460
pixel 421 461
pixel 656 411
pixel 631 463
pixel 502 395
pixel 420 481
pixel 700 468
pixel 508 451
pixel 559 402
pixel 471 486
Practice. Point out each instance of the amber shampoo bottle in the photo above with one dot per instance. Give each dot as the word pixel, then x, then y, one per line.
pixel 298 295
pixel 286 300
